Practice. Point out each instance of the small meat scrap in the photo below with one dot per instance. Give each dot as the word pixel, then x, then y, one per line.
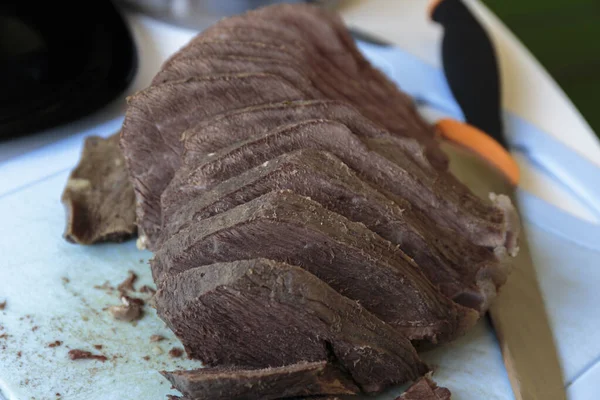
pixel 175 352
pixel 98 197
pixel 98 346
pixel 129 311
pixel 106 286
pixel 133 300
pixel 2 305
pixel 56 343
pixel 77 354
pixel 156 338
pixel 425 389
pixel 127 284
pixel 290 381
pixel 147 289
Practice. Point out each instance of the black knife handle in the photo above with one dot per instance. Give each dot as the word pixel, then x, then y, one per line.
pixel 471 67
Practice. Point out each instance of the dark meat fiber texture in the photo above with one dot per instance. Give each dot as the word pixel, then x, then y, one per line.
pixel 482 224
pixel 261 313
pixel 224 129
pixel 463 271
pixel 346 255
pixel 425 389
pixel 302 379
pixel 321 42
pixel 98 197
pixel 157 116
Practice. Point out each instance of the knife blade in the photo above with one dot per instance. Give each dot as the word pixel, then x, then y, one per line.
pixel 479 157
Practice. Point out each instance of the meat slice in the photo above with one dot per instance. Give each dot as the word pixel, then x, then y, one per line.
pixel 302 379
pixel 464 272
pixel 425 389
pixel 482 224
pixel 346 255
pixel 99 199
pixel 225 129
pixel 259 313
pixel 155 118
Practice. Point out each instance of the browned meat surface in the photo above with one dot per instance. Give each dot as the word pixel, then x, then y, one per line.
pixel 261 313
pixel 98 198
pixel 302 379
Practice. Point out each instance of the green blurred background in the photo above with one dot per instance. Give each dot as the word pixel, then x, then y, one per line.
pixel 564 35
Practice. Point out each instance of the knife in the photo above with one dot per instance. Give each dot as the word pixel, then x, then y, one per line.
pixel 479 157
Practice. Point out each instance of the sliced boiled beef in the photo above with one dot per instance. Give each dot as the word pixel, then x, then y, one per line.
pixel 346 255
pixel 464 272
pixel 157 116
pixel 98 197
pixel 307 234
pixel 482 224
pixel 222 130
pixel 234 383
pixel 260 313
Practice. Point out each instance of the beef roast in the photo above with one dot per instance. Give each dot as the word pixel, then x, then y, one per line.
pixel 482 224
pixel 465 272
pixel 425 389
pixel 302 379
pixel 99 199
pixel 156 117
pixel 344 254
pixel 260 313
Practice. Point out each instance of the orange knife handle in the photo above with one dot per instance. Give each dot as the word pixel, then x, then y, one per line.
pixel 481 143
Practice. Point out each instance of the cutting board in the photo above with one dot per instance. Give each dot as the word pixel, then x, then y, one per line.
pixel 51 291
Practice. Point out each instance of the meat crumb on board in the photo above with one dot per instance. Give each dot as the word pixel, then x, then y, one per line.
pixel 98 346
pixel 175 352
pixel 77 354
pixel 130 310
pixel 157 338
pixel 147 289
pixel 56 343
pixel 2 305
pixel 127 284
